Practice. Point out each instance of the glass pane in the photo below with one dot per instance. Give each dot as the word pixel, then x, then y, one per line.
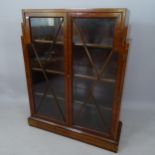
pixel 47 66
pixel 96 31
pixel 94 73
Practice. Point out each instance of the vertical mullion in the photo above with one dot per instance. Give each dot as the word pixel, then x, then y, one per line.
pixel 68 69
pixel 65 68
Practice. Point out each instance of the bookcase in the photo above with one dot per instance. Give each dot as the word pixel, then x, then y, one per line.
pixel 75 63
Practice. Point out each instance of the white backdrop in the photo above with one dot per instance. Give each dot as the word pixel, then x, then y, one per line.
pixel 16 137
pixel 140 76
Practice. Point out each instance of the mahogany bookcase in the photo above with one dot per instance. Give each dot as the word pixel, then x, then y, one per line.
pixel 75 64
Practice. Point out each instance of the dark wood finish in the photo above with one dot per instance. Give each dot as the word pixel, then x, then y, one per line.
pixel 50 65
pixel 103 142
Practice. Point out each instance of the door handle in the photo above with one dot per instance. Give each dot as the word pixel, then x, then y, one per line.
pixel 68 76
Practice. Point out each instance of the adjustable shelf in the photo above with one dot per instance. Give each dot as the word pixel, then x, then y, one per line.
pixel 91 45
pixel 48 71
pixel 75 75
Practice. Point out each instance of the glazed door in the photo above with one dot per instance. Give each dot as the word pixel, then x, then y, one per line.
pixel 46 51
pixel 94 70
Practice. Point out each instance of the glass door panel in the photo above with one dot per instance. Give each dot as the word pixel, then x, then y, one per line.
pixel 47 66
pixel 94 73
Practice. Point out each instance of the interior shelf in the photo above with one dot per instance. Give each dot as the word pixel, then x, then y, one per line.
pixel 110 80
pixel 93 45
pixel 94 78
pixel 48 71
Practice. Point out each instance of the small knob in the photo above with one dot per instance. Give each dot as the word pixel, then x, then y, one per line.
pixel 68 76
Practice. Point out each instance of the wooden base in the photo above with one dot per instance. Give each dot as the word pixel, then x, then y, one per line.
pixel 98 141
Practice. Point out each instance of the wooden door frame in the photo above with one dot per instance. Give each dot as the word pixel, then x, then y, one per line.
pixel 27 39
pixel 117 47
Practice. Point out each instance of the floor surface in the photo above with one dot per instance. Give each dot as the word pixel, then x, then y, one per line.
pixel 17 138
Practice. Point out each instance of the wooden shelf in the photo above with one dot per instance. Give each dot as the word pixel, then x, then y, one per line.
pixel 47 41
pixel 94 78
pixel 48 71
pixel 94 45
pixel 75 75
pixel 74 44
pixel 43 59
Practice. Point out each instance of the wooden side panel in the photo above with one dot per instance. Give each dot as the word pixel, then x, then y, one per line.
pixel 27 68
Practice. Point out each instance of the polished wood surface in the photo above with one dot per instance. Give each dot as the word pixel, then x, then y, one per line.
pixel 75 64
